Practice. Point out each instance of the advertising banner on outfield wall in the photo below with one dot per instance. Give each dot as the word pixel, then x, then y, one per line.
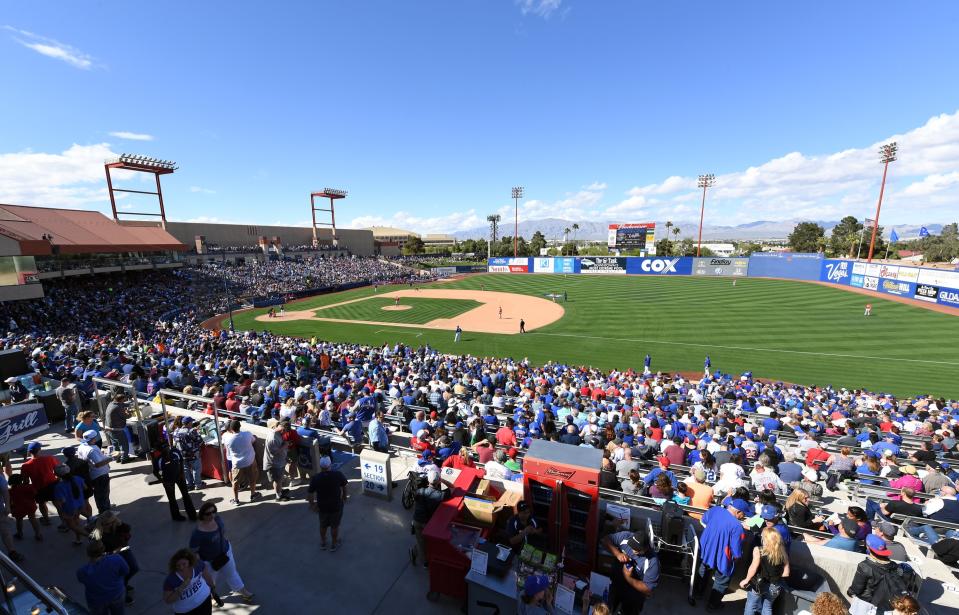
pixel 602 264
pixel 561 264
pixel 835 271
pixel 939 277
pixel 720 266
pixel 798 266
pixel 504 264
pixel 897 287
pixel 659 266
pixel 926 292
pixel 949 296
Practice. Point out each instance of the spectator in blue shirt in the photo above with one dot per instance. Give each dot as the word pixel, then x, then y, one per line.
pixel 721 545
pixel 104 580
pixel 845 540
pixel 379 438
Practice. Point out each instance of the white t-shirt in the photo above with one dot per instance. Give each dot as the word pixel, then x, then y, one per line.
pixel 93 455
pixel 195 594
pixel 239 447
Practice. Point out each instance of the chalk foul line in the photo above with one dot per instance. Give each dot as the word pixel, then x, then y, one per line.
pixel 779 350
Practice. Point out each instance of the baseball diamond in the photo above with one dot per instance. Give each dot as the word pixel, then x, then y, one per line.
pixel 613 321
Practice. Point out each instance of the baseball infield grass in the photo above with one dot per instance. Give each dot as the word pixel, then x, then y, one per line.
pixel 421 311
pixel 783 330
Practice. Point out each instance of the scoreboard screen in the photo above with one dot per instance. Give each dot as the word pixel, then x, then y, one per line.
pixel 640 236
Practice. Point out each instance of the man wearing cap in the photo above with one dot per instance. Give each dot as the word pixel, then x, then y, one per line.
pixel 721 544
pixel 99 465
pixel 39 469
pixel 522 527
pixel 67 394
pixel 934 480
pixel 426 500
pixel 189 442
pixel 870 583
pixel 274 460
pixel 663 468
pixel 887 531
pixel 772 517
pixel 635 581
pixel 168 467
pixel 115 422
pixel 845 538
pixel 326 494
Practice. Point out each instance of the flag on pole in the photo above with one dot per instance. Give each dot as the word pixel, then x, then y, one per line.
pixel 923 232
pixel 894 236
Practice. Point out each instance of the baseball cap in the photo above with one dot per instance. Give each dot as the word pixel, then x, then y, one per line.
pixel 326 463
pixel 850 526
pixel 638 542
pixel 877 546
pixel 187 420
pixel 512 452
pixel 888 529
pixel 522 505
pixel 34 446
pixel 664 460
pixel 535 583
pixel 772 439
pixel 741 505
pixel 908 469
pixel 769 512
pixel 90 435
pixel 871 453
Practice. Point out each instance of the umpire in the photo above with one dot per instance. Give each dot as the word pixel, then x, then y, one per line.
pixel 168 467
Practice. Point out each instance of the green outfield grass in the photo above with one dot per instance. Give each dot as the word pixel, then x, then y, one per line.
pixel 794 331
pixel 421 310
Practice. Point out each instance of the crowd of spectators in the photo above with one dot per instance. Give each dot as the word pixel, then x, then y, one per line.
pixel 737 439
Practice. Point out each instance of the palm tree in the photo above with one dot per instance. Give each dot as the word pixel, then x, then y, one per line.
pixel 676 231
pixel 565 239
pixel 575 229
pixel 668 224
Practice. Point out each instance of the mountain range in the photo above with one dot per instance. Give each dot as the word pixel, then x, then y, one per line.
pixel 553 228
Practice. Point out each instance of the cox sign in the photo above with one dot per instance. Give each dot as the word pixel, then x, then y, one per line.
pixel 660 266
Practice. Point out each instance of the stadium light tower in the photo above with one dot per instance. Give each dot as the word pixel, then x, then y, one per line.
pixel 140 164
pixel 517 195
pixel 887 154
pixel 326 193
pixel 705 181
pixel 493 220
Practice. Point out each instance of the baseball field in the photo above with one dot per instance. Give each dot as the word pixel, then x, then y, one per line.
pixel 782 330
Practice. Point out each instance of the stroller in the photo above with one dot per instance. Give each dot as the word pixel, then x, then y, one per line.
pixel 677 546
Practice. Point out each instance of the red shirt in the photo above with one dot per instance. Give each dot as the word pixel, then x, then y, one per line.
pixel 815 454
pixel 457 461
pixel 291 438
pixel 485 453
pixel 505 436
pixel 40 470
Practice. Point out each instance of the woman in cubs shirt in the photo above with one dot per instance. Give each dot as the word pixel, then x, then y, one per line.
pixel 189 586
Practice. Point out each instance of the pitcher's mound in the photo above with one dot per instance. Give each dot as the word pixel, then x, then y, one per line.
pixel 396 308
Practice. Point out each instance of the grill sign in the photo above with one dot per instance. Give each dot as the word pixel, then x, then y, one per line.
pixel 564 474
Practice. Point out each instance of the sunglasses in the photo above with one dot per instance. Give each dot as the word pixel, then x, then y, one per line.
pixel 209 513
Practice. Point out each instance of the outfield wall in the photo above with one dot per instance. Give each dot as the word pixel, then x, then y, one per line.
pixel 930 285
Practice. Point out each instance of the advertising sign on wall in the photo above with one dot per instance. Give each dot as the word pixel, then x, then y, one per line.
pixel 835 271
pixel 926 292
pixel 949 296
pixel 602 264
pixel 504 264
pixel 677 265
pixel 20 421
pixel 939 277
pixel 785 265
pixel 857 279
pixel 870 283
pixel 542 265
pixel 909 274
pixel 720 266
pixel 896 287
pixel 561 264
pixel 859 268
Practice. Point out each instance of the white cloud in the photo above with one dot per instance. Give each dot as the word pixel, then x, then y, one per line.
pixel 131 136
pixel 540 8
pixel 51 48
pixel 73 178
pixel 575 206
pixel 923 184
pixel 201 190
pixel 449 223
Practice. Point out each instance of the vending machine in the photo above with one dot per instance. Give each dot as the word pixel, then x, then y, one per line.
pixel 562 488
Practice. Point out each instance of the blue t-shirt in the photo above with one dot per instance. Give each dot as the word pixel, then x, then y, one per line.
pixel 842 542
pixel 73 499
pixel 104 580
pixel 209 545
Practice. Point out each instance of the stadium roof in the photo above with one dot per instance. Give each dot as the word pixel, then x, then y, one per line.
pixel 74 231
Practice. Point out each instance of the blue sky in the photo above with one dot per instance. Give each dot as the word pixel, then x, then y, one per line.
pixel 429 111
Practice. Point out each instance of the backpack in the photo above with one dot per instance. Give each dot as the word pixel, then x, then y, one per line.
pixel 671 523
pixel 891 583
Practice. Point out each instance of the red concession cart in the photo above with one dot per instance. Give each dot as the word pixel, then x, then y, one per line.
pixel 450 537
pixel 562 487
